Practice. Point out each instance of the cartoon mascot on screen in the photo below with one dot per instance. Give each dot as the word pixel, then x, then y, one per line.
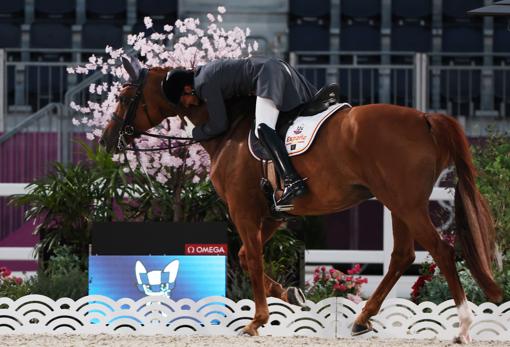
pixel 157 283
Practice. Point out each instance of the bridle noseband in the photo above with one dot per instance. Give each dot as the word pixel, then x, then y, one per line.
pixel 127 127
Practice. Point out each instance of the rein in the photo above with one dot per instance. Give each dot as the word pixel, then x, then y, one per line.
pixel 128 129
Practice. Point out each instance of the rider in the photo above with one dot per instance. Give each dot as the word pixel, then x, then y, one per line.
pixel 276 84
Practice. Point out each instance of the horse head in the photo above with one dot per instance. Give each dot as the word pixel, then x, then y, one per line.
pixel 141 106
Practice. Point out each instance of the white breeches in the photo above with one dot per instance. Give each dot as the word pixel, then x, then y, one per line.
pixel 265 112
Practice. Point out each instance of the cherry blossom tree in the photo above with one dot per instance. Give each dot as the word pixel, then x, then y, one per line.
pixel 183 44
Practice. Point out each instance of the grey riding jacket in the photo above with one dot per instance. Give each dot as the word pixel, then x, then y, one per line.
pixel 270 78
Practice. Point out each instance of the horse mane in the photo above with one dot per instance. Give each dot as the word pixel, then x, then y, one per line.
pixel 160 69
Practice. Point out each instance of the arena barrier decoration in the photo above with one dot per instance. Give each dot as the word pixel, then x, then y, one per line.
pixel 331 318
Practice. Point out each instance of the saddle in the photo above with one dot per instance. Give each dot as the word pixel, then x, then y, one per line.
pixel 326 99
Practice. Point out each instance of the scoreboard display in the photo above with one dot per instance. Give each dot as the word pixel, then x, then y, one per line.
pixel 174 260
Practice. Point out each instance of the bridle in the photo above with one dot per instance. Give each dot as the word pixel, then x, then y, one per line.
pixel 127 127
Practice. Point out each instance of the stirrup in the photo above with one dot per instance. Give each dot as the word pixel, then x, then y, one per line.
pixel 278 207
pixel 281 208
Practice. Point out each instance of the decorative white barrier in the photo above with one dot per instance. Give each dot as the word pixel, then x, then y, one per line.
pixel 331 318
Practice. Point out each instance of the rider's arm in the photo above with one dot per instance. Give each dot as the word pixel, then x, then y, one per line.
pixel 218 120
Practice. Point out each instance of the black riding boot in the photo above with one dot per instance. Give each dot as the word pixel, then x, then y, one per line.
pixel 294 185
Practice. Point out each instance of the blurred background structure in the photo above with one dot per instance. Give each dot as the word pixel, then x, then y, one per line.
pixel 426 54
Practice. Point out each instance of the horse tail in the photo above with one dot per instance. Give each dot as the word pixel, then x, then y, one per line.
pixel 475 226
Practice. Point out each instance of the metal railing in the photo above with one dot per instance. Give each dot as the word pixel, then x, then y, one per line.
pixel 461 84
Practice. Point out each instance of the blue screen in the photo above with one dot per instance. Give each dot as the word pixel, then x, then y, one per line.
pixel 197 276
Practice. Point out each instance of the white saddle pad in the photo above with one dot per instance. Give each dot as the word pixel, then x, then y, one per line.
pixel 302 132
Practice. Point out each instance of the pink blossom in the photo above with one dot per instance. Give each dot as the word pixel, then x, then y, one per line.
pixel 361 280
pixel 355 270
pixel 196 48
pixel 340 287
pixel 354 298
pixel 148 22
pixel 6 272
pixel 222 9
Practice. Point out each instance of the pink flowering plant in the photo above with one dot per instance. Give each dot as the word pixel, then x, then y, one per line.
pixel 181 44
pixel 11 286
pixel 335 283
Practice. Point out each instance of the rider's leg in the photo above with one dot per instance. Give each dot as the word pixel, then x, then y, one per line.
pixel 266 115
pixel 265 112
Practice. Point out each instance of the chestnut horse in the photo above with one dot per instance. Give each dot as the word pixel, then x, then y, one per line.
pixel 389 152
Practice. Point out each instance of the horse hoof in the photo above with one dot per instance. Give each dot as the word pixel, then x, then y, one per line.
pixel 358 329
pixel 462 340
pixel 295 296
pixel 246 332
pixel 243 333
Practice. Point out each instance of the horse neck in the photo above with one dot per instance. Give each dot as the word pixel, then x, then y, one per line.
pixel 211 146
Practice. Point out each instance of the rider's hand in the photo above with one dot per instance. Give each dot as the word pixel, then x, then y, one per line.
pixel 188 127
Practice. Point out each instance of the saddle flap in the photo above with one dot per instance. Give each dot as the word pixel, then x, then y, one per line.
pixel 297 136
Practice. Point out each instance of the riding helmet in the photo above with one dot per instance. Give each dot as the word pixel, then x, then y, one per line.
pixel 174 82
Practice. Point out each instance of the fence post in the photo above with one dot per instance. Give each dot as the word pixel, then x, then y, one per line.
pixel 65 137
pixel 420 82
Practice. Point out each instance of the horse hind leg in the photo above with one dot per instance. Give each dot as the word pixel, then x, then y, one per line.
pixel 401 258
pixel 443 254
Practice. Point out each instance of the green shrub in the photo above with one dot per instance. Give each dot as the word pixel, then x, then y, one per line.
pixel 492 160
pixel 435 288
pixel 64 276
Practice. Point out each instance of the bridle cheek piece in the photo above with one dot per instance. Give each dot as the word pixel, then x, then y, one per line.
pixel 127 128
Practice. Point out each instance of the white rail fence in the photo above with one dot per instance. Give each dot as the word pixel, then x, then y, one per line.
pixel 331 318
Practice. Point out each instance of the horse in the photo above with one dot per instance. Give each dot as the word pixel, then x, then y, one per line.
pixel 389 152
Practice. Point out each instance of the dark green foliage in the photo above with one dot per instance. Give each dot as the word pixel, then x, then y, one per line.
pixel 65 203
pixel 64 277
pixel 492 160
pixel 436 289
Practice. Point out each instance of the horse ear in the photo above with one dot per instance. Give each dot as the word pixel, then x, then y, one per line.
pixel 132 67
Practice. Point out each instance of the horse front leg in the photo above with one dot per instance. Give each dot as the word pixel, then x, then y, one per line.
pixel 253 261
pixel 273 288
